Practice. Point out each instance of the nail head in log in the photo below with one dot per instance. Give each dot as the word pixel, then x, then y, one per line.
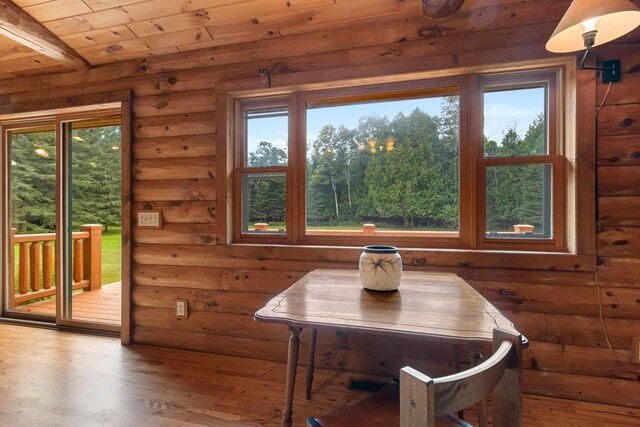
pixel 440 8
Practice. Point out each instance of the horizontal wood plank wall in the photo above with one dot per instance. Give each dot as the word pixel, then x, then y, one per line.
pixel 553 302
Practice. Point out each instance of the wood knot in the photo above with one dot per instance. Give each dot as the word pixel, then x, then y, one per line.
pixel 172 80
pixel 626 122
pixel 619 242
pixel 432 31
pixel 613 159
pixel 636 154
pixel 421 261
pixel 206 238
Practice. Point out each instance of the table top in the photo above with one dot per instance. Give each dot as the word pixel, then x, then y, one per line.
pixel 441 306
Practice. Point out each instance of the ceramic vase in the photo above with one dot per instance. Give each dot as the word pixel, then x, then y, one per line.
pixel 380 268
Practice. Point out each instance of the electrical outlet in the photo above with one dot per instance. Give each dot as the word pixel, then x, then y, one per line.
pixel 182 309
pixel 149 219
pixel 635 350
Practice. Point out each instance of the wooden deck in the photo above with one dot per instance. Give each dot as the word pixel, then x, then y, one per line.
pixel 87 380
pixel 101 305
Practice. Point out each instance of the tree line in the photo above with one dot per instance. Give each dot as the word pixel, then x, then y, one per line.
pixel 95 180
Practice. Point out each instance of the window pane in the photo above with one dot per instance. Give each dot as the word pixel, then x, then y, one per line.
pixel 264 203
pixel 515 122
pixel 518 201
pixel 393 164
pixel 267 133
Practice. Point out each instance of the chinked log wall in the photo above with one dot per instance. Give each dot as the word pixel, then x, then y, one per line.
pixel 554 303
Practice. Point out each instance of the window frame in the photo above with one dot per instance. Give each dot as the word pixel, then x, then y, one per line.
pixel 554 156
pixel 240 167
pixel 472 164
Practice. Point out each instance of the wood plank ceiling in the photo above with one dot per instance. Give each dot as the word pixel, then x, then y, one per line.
pixel 104 31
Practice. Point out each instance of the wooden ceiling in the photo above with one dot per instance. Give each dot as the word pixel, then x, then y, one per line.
pixel 104 31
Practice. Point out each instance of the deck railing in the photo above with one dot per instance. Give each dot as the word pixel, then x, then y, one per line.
pixel 35 263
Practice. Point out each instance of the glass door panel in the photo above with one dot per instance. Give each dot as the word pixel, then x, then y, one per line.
pixel 93 218
pixel 30 286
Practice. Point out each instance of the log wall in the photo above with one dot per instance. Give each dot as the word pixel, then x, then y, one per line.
pixel 551 299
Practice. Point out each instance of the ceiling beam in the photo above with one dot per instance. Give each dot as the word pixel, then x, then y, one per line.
pixel 18 25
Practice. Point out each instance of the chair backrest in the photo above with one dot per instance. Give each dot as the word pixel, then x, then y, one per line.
pixel 422 398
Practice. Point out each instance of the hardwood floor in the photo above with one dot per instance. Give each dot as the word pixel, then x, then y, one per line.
pixel 52 378
pixel 101 305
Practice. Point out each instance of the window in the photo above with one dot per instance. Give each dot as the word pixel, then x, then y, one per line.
pixel 520 163
pixel 391 162
pixel 402 163
pixel 263 173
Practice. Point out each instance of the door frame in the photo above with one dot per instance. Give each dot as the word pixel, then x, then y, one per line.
pixel 60 111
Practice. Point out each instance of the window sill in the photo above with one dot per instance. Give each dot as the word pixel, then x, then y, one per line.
pixel 347 257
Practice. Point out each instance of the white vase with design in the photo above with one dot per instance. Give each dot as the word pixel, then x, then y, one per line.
pixel 380 268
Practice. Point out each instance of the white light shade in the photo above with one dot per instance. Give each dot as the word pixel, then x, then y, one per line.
pixel 611 18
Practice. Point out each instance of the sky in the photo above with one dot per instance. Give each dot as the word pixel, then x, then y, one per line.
pixel 502 110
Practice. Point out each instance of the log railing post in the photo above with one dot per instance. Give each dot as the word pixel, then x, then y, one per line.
pixel 47 263
pixel 93 255
pixel 23 268
pixel 12 270
pixel 34 262
pixel 78 263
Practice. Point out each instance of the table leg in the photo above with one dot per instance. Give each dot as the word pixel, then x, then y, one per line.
pixel 311 366
pixel 292 365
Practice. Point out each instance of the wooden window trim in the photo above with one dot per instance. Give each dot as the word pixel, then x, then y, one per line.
pixel 568 112
pixel 240 168
pixel 417 89
pixel 554 156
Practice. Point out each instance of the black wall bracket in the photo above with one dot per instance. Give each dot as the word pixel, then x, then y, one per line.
pixel 611 70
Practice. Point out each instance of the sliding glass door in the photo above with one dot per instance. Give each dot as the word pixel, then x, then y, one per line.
pixel 91 190
pixel 30 158
pixel 61 222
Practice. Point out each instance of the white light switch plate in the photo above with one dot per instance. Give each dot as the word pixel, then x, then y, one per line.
pixel 150 219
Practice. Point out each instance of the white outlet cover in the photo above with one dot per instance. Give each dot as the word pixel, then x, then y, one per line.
pixel 149 219
pixel 181 309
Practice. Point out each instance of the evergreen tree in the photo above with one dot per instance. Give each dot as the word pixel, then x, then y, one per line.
pixel 95 178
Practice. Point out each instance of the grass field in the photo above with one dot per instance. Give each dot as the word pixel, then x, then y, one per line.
pixel 358 227
pixel 111 259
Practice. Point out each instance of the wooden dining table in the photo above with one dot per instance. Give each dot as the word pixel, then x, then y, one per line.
pixel 435 306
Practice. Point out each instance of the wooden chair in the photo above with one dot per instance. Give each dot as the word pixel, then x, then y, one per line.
pixel 429 402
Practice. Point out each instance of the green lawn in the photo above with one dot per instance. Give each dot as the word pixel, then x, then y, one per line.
pixel 358 227
pixel 111 259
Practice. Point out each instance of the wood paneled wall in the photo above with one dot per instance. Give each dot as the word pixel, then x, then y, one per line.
pixel 554 302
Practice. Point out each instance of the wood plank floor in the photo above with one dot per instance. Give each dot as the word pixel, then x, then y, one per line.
pixel 52 378
pixel 101 305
